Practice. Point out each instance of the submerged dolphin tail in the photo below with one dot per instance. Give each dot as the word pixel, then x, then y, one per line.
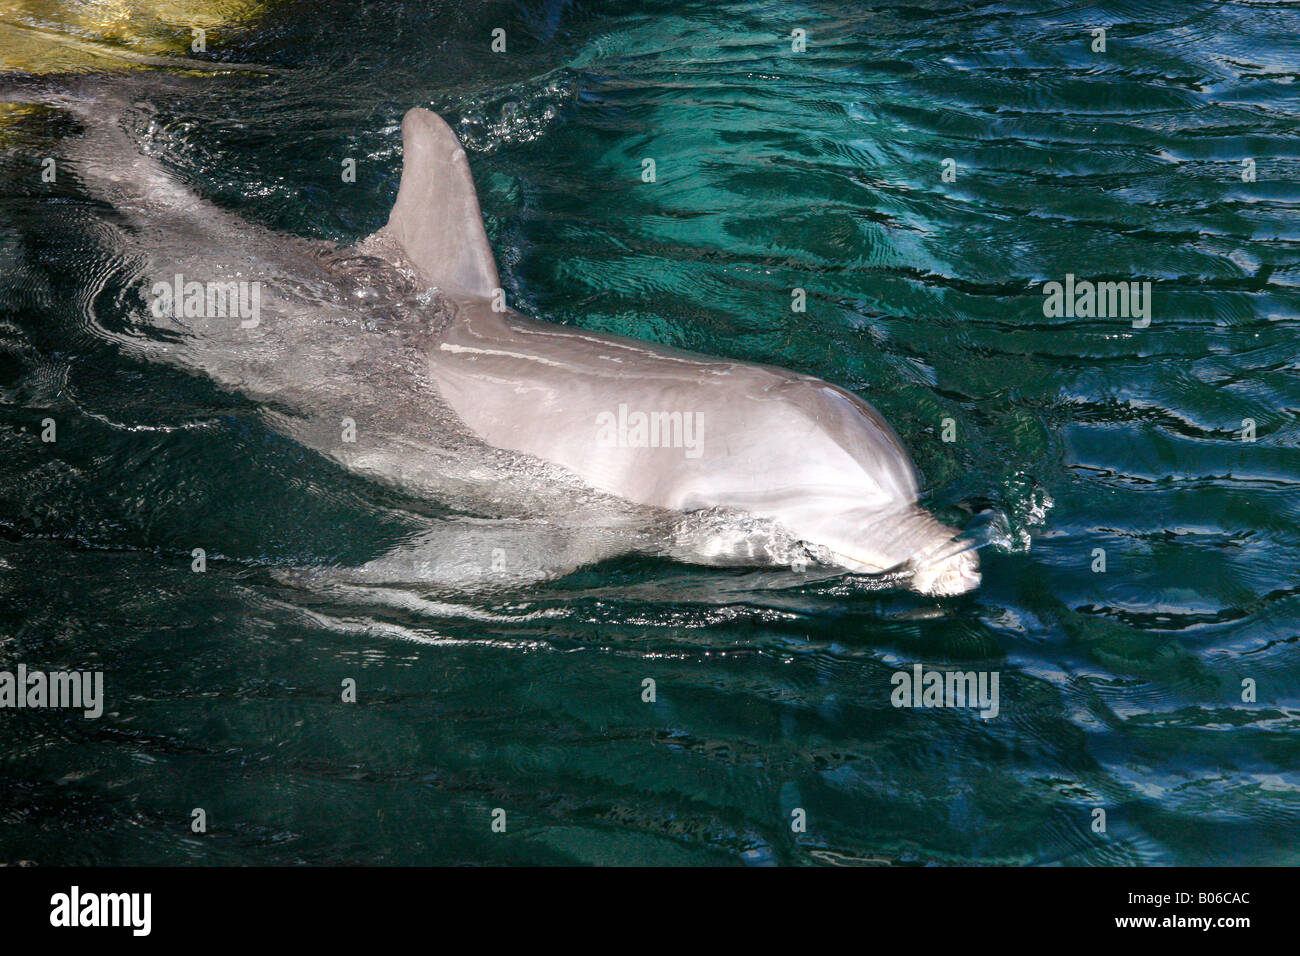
pixel 436 219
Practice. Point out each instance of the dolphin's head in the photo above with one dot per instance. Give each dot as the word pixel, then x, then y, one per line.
pixel 850 491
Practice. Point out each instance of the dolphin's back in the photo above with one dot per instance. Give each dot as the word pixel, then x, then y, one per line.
pixel 754 435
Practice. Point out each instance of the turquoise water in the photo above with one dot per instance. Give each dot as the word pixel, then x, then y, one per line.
pixel 823 170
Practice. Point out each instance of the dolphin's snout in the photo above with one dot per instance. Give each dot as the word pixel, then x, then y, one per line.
pixel 956 574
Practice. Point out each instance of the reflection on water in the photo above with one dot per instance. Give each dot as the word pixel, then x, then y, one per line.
pixel 1124 689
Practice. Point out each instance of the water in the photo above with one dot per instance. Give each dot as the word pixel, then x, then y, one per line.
pixel 1120 690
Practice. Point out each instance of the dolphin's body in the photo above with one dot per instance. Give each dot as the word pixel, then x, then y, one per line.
pixel 496 414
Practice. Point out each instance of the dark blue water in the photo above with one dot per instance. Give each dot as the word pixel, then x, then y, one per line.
pixel 1120 690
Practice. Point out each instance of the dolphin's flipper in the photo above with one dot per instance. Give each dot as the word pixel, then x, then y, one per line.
pixel 436 220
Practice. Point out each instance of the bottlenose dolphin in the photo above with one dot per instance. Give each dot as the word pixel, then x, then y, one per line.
pixel 405 338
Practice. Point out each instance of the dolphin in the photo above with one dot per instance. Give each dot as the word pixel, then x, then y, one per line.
pixel 452 395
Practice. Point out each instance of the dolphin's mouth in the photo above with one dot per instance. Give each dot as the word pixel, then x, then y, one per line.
pixel 955 574
pixel 942 576
pixel 851 563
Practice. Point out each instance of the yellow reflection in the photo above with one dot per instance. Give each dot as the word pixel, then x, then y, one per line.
pixel 55 36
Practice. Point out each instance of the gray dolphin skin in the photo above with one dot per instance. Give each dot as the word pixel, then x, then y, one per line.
pixel 559 447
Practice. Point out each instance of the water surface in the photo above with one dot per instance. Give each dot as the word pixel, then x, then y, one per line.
pixel 821 170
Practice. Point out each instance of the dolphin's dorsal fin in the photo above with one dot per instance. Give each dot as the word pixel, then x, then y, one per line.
pixel 436 219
